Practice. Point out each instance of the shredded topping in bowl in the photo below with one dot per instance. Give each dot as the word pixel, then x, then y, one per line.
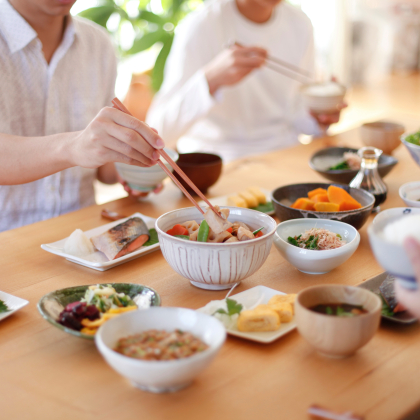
pixel 317 239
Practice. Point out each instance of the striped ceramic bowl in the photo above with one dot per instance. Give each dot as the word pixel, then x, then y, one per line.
pixel 216 266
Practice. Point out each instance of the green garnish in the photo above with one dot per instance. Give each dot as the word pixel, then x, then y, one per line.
pixel 386 310
pixel 292 241
pixel 414 138
pixel 3 307
pixel 328 311
pixel 339 236
pixel 203 232
pixel 264 208
pixel 233 308
pixel 153 238
pixel 340 166
pixel 186 237
pixel 258 230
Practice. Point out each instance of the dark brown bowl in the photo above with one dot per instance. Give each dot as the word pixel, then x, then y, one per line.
pixel 284 197
pixel 203 169
pixel 330 156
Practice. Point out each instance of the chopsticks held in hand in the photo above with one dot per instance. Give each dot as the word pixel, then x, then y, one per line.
pixel 119 105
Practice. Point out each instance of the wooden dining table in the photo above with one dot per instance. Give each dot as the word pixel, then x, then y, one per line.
pixel 48 374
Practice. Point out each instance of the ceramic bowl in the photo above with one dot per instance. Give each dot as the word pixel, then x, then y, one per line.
pixel 310 261
pixel 318 101
pixel 391 256
pixel 410 193
pixel 412 148
pixel 203 169
pixel 336 336
pixel 52 304
pixel 161 376
pixel 331 156
pixel 215 266
pixel 284 197
pixel 144 179
pixel 383 135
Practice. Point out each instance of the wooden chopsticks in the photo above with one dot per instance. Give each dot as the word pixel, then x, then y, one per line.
pixel 120 106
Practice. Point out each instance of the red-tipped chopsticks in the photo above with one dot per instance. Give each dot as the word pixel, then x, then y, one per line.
pixel 119 105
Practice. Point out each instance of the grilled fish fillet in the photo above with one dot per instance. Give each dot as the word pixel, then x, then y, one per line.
pixel 122 239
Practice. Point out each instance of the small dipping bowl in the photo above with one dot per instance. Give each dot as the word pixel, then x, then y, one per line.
pixel 203 169
pixel 383 135
pixel 161 375
pixel 336 336
pixel 410 193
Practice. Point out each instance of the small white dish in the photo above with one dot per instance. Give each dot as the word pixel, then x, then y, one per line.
pixel 311 261
pixel 14 303
pixel 410 193
pixel 250 299
pixel 221 200
pixel 160 376
pixel 98 260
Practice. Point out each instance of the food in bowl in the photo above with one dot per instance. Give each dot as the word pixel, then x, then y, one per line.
pixel 323 97
pixel 339 309
pixel 160 345
pixel 399 230
pixel 317 239
pixel 350 161
pixel 413 138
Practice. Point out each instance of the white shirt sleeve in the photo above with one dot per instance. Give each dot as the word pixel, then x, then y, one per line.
pixel 184 96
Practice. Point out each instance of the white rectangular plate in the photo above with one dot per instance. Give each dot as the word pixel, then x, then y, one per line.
pixel 98 260
pixel 222 200
pixel 14 303
pixel 252 297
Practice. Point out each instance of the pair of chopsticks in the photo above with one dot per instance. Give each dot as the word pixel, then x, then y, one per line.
pixel 119 105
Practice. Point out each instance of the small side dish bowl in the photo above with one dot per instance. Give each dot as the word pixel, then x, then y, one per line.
pixel 161 376
pixel 410 193
pixel 413 149
pixel 384 135
pixel 312 261
pixel 216 266
pixel 144 179
pixel 52 304
pixel 323 97
pixel 203 169
pixel 324 159
pixel 337 336
pixel 284 197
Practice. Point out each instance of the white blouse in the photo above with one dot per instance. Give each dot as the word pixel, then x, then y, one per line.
pixel 261 113
pixel 39 99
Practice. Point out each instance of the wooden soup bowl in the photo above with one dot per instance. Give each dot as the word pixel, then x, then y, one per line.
pixel 336 336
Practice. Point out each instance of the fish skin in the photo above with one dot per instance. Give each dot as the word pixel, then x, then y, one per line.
pixel 387 291
pixel 114 241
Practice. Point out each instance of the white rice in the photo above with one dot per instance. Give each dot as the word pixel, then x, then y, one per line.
pixel 325 89
pixel 408 226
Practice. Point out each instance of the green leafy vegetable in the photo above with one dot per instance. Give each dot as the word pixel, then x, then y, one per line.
pixel 186 237
pixel 258 230
pixel 414 138
pixel 3 307
pixel 292 241
pixel 329 311
pixel 153 238
pixel 233 308
pixel 264 208
pixel 340 166
pixel 386 310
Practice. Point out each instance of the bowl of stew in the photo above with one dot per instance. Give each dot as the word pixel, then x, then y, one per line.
pixel 337 320
pixel 160 350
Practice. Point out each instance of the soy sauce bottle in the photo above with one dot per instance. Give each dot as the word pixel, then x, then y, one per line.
pixel 368 177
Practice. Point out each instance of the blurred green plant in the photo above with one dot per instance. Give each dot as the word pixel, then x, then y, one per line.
pixel 148 27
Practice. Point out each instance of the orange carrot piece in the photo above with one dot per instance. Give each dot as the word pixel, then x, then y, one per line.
pixel 303 204
pixel 316 191
pixel 326 207
pixel 178 230
pixel 320 198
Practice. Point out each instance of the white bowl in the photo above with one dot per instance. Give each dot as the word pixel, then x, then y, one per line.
pixel 145 179
pixel 215 266
pixel 412 148
pixel 392 257
pixel 311 261
pixel 160 376
pixel 319 102
pixel 410 193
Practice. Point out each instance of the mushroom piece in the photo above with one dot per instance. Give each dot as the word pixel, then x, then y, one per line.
pixel 245 234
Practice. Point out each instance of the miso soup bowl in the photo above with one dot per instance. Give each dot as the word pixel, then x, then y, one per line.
pixel 332 335
pixel 216 266
pixel 160 375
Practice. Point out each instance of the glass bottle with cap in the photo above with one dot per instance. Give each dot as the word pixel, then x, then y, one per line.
pixel 368 177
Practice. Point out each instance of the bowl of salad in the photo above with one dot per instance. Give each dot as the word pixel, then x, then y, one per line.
pixel 412 143
pixel 316 246
pixel 81 310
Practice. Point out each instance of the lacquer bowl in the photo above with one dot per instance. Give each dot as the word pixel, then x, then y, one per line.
pixel 215 266
pixel 336 336
pixel 161 376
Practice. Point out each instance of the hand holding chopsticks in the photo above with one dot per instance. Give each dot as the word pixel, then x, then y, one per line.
pixel 119 105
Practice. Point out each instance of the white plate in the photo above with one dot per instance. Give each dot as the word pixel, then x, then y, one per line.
pixel 98 260
pixel 14 303
pixel 256 296
pixel 222 200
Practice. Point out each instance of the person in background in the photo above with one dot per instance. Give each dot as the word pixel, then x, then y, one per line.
pixel 219 96
pixel 410 299
pixel 57 75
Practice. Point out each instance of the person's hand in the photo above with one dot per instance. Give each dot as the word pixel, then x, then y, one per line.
pixel 136 195
pixel 232 65
pixel 113 136
pixel 326 119
pixel 411 298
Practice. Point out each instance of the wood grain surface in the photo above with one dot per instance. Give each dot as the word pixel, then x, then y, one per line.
pixel 47 374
